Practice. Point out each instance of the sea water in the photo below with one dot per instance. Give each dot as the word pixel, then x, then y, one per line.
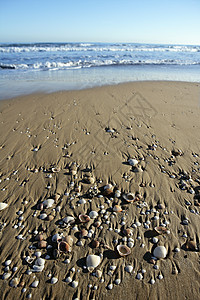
pixel 48 67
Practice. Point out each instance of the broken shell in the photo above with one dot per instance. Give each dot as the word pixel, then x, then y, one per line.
pixel 95 244
pixel 48 203
pixel 108 187
pixel 35 283
pixel 127 231
pixel 69 220
pixel 54 280
pixel 63 247
pixel 108 192
pixel 42 244
pixel 56 237
pixel 39 237
pixel 92 261
pixel 160 230
pixel 39 261
pixel 55 169
pixel 132 162
pixel 83 233
pixel 123 250
pixel 129 268
pixel 84 218
pixel 93 214
pixel 130 197
pixel 160 252
pixel 14 282
pixel 3 205
pixel 117 208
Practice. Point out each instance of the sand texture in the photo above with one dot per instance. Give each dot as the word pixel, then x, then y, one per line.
pixel 90 151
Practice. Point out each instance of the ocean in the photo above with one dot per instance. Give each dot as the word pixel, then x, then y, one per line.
pixel 49 67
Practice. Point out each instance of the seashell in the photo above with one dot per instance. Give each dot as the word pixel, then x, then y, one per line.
pixel 160 229
pixel 110 286
pixel 39 261
pixel 14 282
pixel 42 244
pixel 191 245
pixel 84 218
pixel 93 214
pixel 133 162
pixel 38 254
pixel 127 231
pixel 83 233
pixel 55 169
pixel 64 246
pixel 6 276
pixel 69 220
pixel 117 208
pixel 129 268
pixel 155 240
pixel 56 237
pixel 97 224
pixel 139 276
pixel 37 268
pixel 48 203
pixel 29 259
pixel 74 284
pixel 40 206
pixel 68 279
pixel 92 261
pixel 117 281
pixel 43 216
pixel 117 193
pixel 108 192
pixel 160 252
pixel 161 206
pixel 123 250
pixel 3 205
pixel 130 197
pixel 95 244
pixel 54 280
pixel 108 187
pixel 98 273
pixel 35 283
pixel 8 262
pixel 56 253
pixel 39 237
pixel 68 239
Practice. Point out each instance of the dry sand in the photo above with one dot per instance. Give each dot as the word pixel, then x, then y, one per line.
pixel 97 131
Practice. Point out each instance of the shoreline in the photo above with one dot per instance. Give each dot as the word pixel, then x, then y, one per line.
pixel 67 146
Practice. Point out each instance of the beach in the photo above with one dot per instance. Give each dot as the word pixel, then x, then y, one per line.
pixel 127 157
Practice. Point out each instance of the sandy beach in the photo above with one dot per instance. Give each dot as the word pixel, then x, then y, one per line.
pixel 109 174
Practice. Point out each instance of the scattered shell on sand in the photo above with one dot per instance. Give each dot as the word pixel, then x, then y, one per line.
pixel 37 268
pixel 64 247
pixel 129 268
pixel 129 197
pixel 191 245
pixel 161 230
pixel 68 280
pixel 54 280
pixel 48 203
pixel 93 214
pixel 139 276
pixel 132 162
pixel 74 284
pixel 6 276
pixel 43 216
pixel 123 250
pixel 117 208
pixel 84 218
pixel 92 261
pixel 3 205
pixel 39 261
pixel 160 252
pixel 69 220
pixel 55 169
pixel 35 283
pixel 117 281
pixel 56 237
pixel 14 282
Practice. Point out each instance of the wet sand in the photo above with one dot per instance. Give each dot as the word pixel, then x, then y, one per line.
pixel 67 146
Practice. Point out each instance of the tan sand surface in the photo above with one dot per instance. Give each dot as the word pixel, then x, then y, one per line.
pixel 88 136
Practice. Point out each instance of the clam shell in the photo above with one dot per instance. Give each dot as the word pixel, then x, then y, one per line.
pixel 64 246
pixel 48 203
pixel 129 197
pixel 129 268
pixel 68 239
pixel 92 261
pixel 56 237
pixel 55 169
pixel 6 276
pixel 69 220
pixel 133 162
pixel 43 216
pixel 93 214
pixel 123 250
pixel 35 283
pixel 39 261
pixel 14 282
pixel 160 229
pixel 37 268
pixel 160 252
pixel 117 208
pixel 54 280
pixel 3 205
pixel 84 218
pixel 42 244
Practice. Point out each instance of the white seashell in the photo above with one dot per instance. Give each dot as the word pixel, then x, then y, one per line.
pixel 110 286
pixel 117 281
pixel 56 237
pixel 48 203
pixel 7 262
pixel 37 254
pixel 155 240
pixel 43 216
pixel 74 284
pixel 152 281
pixel 92 261
pixel 54 280
pixel 113 268
pixel 69 220
pixel 133 162
pixel 14 282
pixel 129 268
pixel 160 252
pixel 108 186
pixel 139 276
pixel 6 276
pixel 37 268
pixel 35 283
pixel 129 197
pixel 130 244
pixel 68 280
pixel 98 274
pixel 117 193
pixel 40 261
pixel 15 269
pixel 82 201
pixel 93 214
pixel 160 276
pixel 3 205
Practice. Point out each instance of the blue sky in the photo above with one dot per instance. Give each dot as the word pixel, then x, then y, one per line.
pixel 145 21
